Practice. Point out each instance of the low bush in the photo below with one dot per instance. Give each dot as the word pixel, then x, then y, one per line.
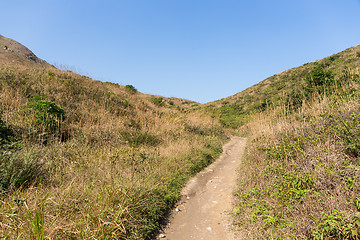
pixel 7 134
pixel 131 89
pixel 19 169
pixel 158 101
pixel 47 118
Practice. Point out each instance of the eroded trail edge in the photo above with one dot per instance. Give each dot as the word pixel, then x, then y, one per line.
pixel 203 211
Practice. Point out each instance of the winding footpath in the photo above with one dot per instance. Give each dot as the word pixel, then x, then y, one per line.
pixel 207 200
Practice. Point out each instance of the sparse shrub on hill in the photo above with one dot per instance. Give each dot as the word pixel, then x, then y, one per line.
pixel 131 89
pixel 232 115
pixel 47 118
pixel 318 80
pixel 232 121
pixel 158 101
pixel 295 100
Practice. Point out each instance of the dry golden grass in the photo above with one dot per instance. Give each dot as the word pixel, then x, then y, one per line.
pixel 302 169
pixel 118 171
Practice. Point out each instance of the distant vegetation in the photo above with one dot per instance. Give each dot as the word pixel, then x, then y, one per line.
pixel 159 101
pixel 131 89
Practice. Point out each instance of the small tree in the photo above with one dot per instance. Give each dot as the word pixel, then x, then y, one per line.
pixel 130 89
pixel 318 80
pixel 47 118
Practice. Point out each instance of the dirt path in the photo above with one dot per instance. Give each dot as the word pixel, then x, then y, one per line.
pixel 203 210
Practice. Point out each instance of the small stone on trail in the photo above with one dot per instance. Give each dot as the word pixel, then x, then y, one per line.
pixel 177 209
pixel 209 229
pixel 187 197
pixel 162 236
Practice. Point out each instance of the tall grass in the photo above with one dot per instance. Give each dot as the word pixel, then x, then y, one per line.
pixel 300 178
pixel 92 160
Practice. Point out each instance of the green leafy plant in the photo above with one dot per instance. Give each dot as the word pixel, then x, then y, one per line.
pixel 159 101
pixel 337 226
pixel 47 117
pixel 318 79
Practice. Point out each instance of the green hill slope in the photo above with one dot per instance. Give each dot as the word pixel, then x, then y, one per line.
pixel 83 159
pixel 289 88
pixel 301 176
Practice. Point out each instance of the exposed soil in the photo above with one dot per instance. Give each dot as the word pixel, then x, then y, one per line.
pixel 203 211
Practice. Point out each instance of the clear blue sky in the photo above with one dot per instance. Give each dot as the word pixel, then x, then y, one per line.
pixel 202 50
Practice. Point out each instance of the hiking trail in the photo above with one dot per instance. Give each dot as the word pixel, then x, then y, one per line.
pixel 207 200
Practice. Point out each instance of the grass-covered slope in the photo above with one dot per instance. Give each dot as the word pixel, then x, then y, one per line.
pixel 82 159
pixel 15 53
pixel 301 175
pixel 288 88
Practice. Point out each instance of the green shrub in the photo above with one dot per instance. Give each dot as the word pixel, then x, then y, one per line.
pixel 337 226
pixel 348 130
pixel 294 100
pixel 158 101
pixel 232 120
pixel 318 80
pixel 7 135
pixel 19 169
pixel 231 115
pixel 47 118
pixel 130 89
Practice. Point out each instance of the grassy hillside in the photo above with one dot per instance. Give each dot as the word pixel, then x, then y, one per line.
pixel 82 159
pixel 301 175
pixel 289 88
pixel 12 52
